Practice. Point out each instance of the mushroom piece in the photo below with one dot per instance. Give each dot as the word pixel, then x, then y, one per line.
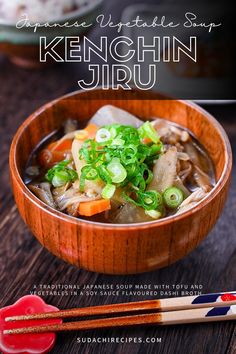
pixel 164 171
pixel 202 179
pixel 57 192
pixel 192 200
pixel 71 197
pixel 196 196
pixel 169 132
pixel 186 208
pixel 183 156
pixel 185 170
pixel 43 192
pixel 162 127
pixel 179 184
pixel 193 154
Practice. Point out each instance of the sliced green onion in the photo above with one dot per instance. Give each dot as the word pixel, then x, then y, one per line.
pixel 113 129
pixel 147 174
pixel 104 174
pixel 59 167
pixel 108 191
pixel 156 149
pixel 154 214
pixel 139 182
pixel 117 171
pixel 129 134
pixel 173 197
pixel 82 183
pixel 88 151
pixel 132 170
pixel 103 135
pixel 143 153
pixel 148 131
pixel 59 175
pixel 73 174
pixel 126 197
pixel 118 156
pixel 129 154
pixel 89 173
pixel 118 141
pixel 150 200
pixel 60 179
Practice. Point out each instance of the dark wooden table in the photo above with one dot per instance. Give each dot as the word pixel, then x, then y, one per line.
pixel 25 266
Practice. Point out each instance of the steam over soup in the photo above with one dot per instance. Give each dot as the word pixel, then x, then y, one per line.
pixel 120 169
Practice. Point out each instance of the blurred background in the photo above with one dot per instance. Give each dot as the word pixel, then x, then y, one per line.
pixel 210 78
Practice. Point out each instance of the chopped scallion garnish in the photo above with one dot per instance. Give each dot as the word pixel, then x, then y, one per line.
pixel 103 135
pixel 89 173
pixel 108 191
pixel 117 171
pixel 154 214
pixel 149 200
pixel 148 131
pixel 173 197
pixel 60 174
pixel 120 158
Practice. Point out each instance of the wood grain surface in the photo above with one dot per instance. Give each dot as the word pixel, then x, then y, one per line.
pixel 24 264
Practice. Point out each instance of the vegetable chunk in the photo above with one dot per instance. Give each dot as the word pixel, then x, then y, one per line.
pixel 94 207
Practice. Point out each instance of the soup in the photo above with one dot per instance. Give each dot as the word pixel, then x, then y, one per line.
pixel 120 169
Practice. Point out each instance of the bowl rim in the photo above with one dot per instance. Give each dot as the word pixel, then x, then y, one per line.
pixel 87 8
pixel 225 175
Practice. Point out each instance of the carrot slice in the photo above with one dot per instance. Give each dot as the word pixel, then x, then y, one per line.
pixel 64 145
pixel 94 207
pixel 92 130
pixel 55 152
pixel 147 140
pixel 88 133
pixel 48 158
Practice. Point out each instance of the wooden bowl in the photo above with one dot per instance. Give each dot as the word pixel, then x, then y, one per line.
pixel 111 248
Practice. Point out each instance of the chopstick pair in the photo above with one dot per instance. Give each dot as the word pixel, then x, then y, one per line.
pixel 181 310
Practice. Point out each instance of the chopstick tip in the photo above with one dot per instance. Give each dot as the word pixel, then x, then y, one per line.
pixel 11 319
